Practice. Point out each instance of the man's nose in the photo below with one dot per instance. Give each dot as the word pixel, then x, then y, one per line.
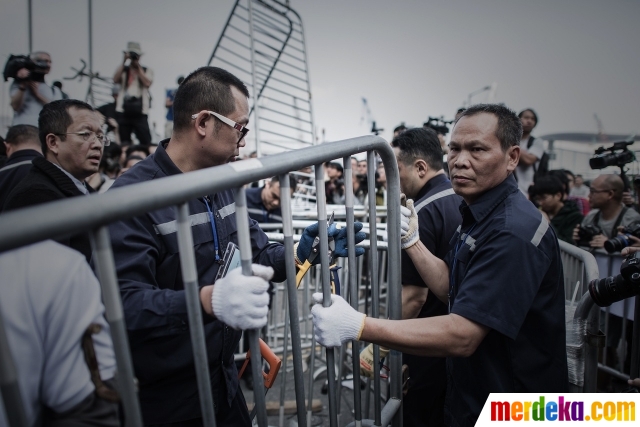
pixel 461 160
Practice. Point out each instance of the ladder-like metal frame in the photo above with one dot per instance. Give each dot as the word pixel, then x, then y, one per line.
pixel 263 44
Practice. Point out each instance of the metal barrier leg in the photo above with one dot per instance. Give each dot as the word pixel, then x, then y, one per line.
pixel 373 274
pixel 244 243
pixel 326 288
pixel 9 386
pixel 106 269
pixel 292 299
pixel 194 312
pixel 285 351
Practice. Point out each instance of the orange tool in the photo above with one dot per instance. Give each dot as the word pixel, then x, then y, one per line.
pixel 274 363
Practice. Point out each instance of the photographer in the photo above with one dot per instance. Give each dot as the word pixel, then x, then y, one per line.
pixel 29 92
pixel 133 101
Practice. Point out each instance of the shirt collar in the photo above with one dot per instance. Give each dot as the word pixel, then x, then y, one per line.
pixel 164 161
pixel 431 184
pixel 487 202
pixel 24 153
pixel 79 184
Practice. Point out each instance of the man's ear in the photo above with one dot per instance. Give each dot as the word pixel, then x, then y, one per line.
pixel 53 143
pixel 200 123
pixel 421 167
pixel 514 157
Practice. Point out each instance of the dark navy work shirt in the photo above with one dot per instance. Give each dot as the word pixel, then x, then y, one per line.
pixel 438 218
pixel 16 168
pixel 506 274
pixel 256 208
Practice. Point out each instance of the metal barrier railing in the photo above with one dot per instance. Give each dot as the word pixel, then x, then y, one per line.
pixel 583 336
pixel 93 213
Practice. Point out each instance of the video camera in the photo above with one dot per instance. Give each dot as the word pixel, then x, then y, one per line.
pixel 438 124
pixel 605 292
pixel 616 155
pixel 17 62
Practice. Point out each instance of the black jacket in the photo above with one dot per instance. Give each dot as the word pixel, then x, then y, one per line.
pixel 44 183
pixel 14 171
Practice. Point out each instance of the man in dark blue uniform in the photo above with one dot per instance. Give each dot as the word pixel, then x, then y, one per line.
pixel 210 114
pixel 263 203
pixel 23 145
pixel 422 179
pixel 502 280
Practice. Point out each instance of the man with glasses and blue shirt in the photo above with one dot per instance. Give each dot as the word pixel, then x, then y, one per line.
pixel 72 142
pixel 211 113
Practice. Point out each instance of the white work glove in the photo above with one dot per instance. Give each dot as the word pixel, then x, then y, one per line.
pixel 409 234
pixel 367 365
pixel 337 323
pixel 242 302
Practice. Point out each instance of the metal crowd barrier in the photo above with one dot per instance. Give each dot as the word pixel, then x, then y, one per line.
pixel 93 213
pixel 582 318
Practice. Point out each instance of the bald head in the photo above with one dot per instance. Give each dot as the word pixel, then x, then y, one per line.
pixel 610 182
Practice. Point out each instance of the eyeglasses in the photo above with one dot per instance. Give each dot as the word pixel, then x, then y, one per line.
pixel 591 190
pixel 237 126
pixel 90 136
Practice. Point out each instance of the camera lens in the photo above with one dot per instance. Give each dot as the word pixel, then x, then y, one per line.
pixel 617 243
pixel 605 292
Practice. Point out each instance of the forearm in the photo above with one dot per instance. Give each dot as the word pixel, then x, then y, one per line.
pixel 146 82
pixel 527 158
pixel 117 76
pixel 433 271
pixel 413 298
pixel 439 336
pixel 17 100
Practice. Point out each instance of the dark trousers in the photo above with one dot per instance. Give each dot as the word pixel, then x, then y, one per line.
pixel 424 402
pixel 138 125
pixel 234 416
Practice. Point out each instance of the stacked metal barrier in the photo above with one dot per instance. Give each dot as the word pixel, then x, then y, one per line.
pixel 95 212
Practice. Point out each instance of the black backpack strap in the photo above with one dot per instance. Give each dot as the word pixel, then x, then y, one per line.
pixel 618 221
pixel 530 142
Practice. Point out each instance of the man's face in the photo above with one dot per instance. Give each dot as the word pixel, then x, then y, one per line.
pixel 354 165
pixel 271 195
pixel 43 58
pixel 332 173
pixel 600 194
pixel 579 181
pixel 528 121
pixel 550 203
pixel 362 167
pixel 476 160
pixel 223 145
pixel 79 157
pixel 409 179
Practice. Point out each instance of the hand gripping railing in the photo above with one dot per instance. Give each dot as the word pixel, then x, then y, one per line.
pixel 93 213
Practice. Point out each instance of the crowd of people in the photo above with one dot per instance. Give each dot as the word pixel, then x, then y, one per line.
pixel 482 281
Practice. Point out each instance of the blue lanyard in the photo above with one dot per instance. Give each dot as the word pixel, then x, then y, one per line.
pixel 452 280
pixel 213 230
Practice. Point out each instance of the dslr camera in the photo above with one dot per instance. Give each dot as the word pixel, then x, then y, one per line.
pixel 17 62
pixel 134 56
pixel 620 242
pixel 586 234
pixel 616 155
pixel 605 292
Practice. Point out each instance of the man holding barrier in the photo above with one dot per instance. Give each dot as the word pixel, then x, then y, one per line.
pixel 211 115
pixel 502 281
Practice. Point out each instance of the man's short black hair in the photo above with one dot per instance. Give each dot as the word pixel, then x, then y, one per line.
pixel 548 184
pixel 509 130
pixel 535 116
pixel 55 118
pixel 401 128
pixel 293 182
pixel 561 175
pixel 19 134
pixel 137 148
pixel 207 88
pixel 419 143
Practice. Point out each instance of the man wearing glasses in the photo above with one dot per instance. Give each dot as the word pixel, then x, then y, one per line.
pixel 211 112
pixel 72 143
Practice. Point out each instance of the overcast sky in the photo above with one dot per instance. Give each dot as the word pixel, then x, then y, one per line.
pixel 568 59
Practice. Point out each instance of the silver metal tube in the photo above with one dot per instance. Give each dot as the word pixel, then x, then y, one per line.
pixel 106 271
pixel 9 386
pixel 326 287
pixel 244 244
pixel 373 275
pixel 394 291
pixel 391 408
pixel 292 297
pixel 352 286
pixel 256 108
pixel 194 313
pixel 285 351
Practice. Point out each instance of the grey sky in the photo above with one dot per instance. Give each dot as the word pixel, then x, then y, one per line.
pixel 568 59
